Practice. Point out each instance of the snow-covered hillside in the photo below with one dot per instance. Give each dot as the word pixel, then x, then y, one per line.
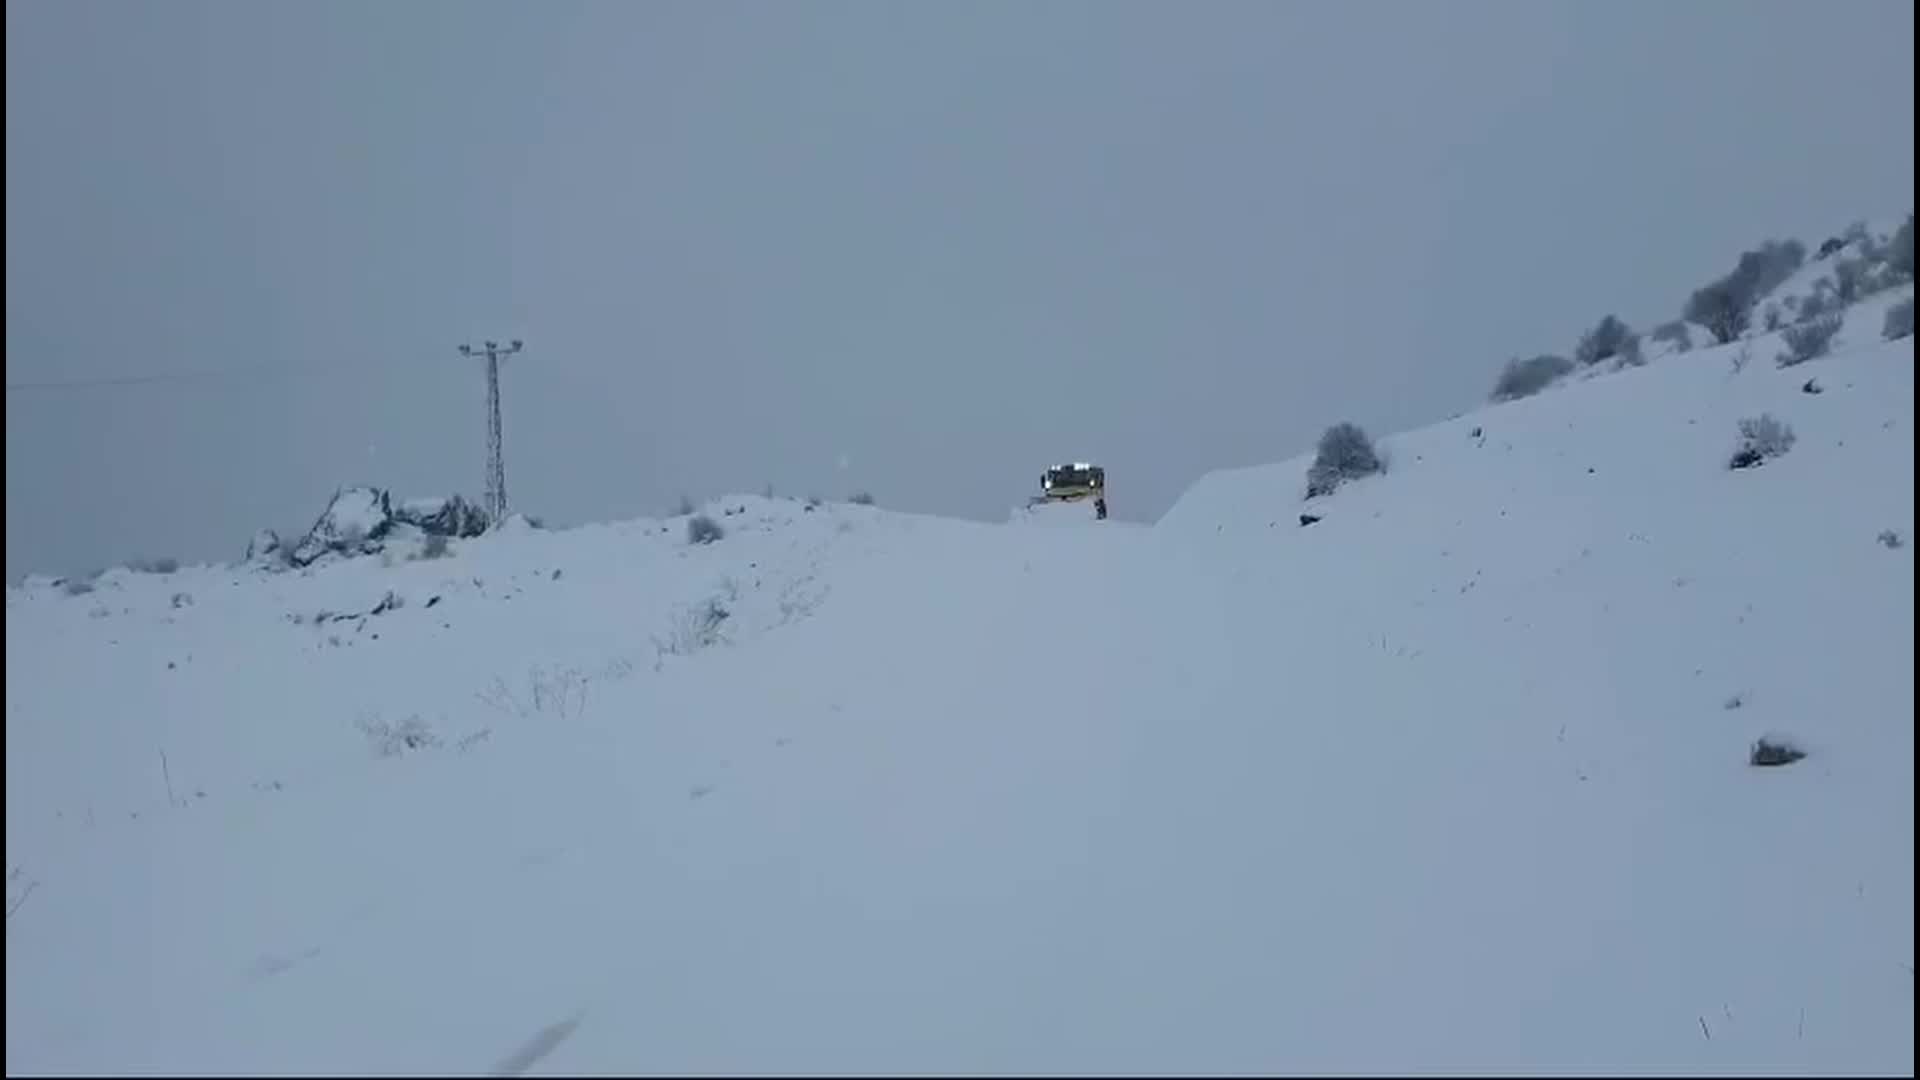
pixel 1866 242
pixel 1452 779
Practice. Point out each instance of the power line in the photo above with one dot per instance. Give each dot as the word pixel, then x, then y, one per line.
pixel 139 380
pixel 496 453
pixel 160 378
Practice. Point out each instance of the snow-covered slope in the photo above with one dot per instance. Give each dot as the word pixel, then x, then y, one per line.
pixel 1453 779
pixel 1868 241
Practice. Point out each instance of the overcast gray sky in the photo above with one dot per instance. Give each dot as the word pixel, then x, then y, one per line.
pixel 918 248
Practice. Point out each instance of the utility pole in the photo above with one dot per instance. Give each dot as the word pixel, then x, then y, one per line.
pixel 496 463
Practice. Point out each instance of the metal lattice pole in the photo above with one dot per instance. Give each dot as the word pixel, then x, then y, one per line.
pixel 496 496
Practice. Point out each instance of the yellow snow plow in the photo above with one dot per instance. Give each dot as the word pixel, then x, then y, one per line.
pixel 1075 482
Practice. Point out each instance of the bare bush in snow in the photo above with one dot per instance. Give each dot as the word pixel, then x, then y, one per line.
pixel 389 739
pixel 861 498
pixel 1720 309
pixel 1675 334
pixel 1771 750
pixel 154 566
pixel 1524 378
pixel 702 529
pixel 1345 453
pixel 436 546
pixel 1630 355
pixel 1601 342
pixel 1725 306
pixel 561 692
pixel 691 629
pixel 1808 340
pixel 1818 304
pixel 1850 279
pixel 1761 437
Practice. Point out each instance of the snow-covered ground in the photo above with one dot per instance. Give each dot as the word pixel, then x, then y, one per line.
pixel 1453 779
pixel 1063 515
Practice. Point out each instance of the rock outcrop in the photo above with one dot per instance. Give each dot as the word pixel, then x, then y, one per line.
pixel 452 516
pixel 364 520
pixel 265 549
pixel 355 523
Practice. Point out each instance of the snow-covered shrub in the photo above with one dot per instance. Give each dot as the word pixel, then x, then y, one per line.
pixel 1899 322
pixel 1524 378
pixel 693 628
pixel 1725 306
pixel 1345 453
pixel 1849 279
pixel 435 546
pixel 389 739
pixel 1601 342
pixel 861 498
pixel 1808 340
pixel 1817 304
pixel 1720 309
pixel 1761 437
pixel 702 529
pixel 77 586
pixel 1774 750
pixel 1675 334
pixel 1630 354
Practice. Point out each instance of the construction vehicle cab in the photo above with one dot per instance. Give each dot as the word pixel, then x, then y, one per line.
pixel 1074 482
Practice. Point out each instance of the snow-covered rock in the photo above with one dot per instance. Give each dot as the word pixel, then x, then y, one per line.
pixel 364 520
pixel 451 516
pixel 264 548
pixel 355 522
